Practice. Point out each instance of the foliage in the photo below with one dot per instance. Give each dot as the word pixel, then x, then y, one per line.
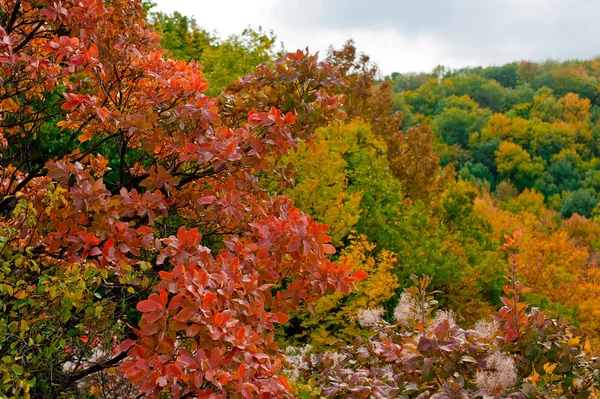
pixel 224 60
pixel 334 315
pixel 581 202
pixel 144 243
pixel 415 164
pixel 515 163
pixel 522 353
pixel 321 183
pixel 149 211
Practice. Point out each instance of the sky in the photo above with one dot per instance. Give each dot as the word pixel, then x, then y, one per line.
pixel 415 36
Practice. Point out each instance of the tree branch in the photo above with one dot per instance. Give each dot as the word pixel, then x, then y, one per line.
pixel 91 370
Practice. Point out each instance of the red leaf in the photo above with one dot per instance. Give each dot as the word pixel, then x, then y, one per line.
pixel 284 381
pixel 135 375
pixel 102 113
pixel 281 317
pixel 186 359
pixel 154 316
pixel 329 249
pixel 185 314
pixel 73 100
pixel 241 370
pixel 149 329
pixel 192 236
pixel 208 299
pixel 163 297
pixel 215 358
pixel 108 245
pixel 511 335
pixel 125 345
pixel 181 234
pixel 164 275
pixel 175 302
pixel 360 275
pixel 148 306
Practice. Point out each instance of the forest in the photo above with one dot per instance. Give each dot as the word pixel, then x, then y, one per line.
pixel 184 215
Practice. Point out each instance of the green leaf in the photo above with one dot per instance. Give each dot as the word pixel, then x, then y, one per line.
pixel 18 370
pixel 66 315
pixel 467 359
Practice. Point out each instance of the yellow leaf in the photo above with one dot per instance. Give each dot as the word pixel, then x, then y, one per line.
pixel 549 368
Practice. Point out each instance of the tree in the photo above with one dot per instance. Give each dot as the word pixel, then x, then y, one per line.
pixel 575 109
pixel 150 201
pixel 416 166
pixel 506 74
pixel 224 60
pixel 546 107
pixel 334 315
pixel 361 74
pixel 423 352
pixel 457 122
pixel 409 81
pixel 515 163
pixel 364 98
pixel 564 171
pixel 527 71
pixel 320 182
pixel 581 202
pixel 180 35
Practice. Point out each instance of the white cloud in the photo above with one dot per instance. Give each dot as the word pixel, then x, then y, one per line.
pixel 403 35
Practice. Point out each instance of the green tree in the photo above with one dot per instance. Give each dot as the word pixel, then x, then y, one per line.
pixel 456 124
pixel 180 35
pixel 581 202
pixel 507 75
pixel 224 59
pixel 321 182
pixel 515 163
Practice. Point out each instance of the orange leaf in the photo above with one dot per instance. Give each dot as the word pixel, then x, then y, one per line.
pixel 281 317
pixel 163 297
pixel 148 306
pixel 329 249
pixel 149 329
pixel 360 275
pixel 242 370
pixel 208 298
pixel 102 113
pixel 185 314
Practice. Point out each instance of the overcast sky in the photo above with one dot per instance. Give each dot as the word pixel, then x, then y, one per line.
pixel 417 35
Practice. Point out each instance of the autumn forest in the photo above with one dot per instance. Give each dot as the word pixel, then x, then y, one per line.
pixel 184 215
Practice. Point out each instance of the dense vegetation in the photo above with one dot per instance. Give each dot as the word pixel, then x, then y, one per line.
pixel 162 224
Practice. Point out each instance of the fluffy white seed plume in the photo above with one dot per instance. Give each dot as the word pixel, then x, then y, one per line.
pixel 296 359
pixel 486 328
pixel 407 308
pixel 442 315
pixel 370 317
pixel 500 372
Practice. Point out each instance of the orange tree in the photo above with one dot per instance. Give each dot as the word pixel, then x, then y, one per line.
pixel 124 187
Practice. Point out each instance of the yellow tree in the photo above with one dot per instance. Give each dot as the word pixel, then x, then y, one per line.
pixel 575 108
pixel 321 184
pixel 335 315
pixel 515 163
